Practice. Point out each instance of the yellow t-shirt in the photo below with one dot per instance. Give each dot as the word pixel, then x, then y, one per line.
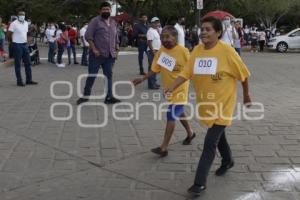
pixel 180 56
pixel 216 92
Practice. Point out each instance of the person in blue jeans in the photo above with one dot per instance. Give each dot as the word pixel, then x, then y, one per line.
pixel 62 42
pixel 51 38
pixel 17 34
pixel 140 32
pixel 103 40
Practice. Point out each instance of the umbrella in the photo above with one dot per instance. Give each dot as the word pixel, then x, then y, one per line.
pixel 219 14
pixel 125 17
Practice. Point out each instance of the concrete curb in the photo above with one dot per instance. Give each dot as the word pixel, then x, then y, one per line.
pixel 7 63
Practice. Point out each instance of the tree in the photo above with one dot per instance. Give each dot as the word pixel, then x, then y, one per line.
pixel 268 12
pixel 133 7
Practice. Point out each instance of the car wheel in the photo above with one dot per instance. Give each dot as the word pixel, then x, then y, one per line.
pixel 282 47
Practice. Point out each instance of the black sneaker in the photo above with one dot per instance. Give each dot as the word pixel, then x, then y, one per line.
pixel 82 100
pixel 159 152
pixel 223 169
pixel 31 83
pixel 111 100
pixel 188 139
pixel 20 84
pixel 196 189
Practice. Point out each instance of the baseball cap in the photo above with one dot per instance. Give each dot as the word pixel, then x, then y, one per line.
pixel 154 19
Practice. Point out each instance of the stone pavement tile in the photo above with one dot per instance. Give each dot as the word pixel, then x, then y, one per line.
pixel 280 196
pixel 255 167
pixel 278 139
pixel 92 184
pixel 278 187
pixel 27 162
pixel 289 153
pixel 273 160
pixel 177 176
pixel 119 142
pixel 296 160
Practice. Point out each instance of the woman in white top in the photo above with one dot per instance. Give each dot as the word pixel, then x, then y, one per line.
pixel 239 37
pixel 261 39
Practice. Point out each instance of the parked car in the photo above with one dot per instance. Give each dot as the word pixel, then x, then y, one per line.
pixel 282 43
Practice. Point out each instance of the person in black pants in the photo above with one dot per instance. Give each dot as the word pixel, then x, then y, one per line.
pixel 219 68
pixel 140 32
pixel 17 35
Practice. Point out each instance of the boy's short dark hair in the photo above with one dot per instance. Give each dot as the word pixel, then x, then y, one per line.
pixel 105 4
pixel 216 24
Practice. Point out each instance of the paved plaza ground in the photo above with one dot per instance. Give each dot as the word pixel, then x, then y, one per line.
pixel 44 159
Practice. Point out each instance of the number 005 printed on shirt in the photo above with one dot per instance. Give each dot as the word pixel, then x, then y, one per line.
pixel 166 61
pixel 206 66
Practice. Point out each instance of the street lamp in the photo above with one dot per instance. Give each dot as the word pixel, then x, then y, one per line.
pixel 199 7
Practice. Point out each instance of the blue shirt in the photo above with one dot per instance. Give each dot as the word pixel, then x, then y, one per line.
pixel 141 29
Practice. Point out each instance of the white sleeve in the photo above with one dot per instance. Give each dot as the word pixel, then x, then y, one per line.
pixel 150 36
pixel 81 33
pixel 12 27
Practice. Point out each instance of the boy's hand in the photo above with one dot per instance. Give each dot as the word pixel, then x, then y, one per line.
pixel 168 92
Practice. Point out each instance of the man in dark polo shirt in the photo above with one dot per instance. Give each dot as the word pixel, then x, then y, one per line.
pixel 103 39
pixel 140 32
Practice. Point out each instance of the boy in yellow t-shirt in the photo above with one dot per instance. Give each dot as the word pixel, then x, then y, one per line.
pixel 170 61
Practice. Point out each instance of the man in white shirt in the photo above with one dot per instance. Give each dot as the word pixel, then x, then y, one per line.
pixel 85 46
pixel 181 32
pixel 51 38
pixel 17 34
pixel 154 44
pixel 229 32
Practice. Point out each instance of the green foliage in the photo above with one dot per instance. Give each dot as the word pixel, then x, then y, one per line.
pixel 269 12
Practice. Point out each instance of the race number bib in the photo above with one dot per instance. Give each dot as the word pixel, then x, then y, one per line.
pixel 205 66
pixel 166 61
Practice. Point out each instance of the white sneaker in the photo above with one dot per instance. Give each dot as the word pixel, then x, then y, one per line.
pixel 61 65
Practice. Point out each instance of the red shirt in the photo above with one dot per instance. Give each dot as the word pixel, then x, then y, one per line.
pixel 72 36
pixel 63 38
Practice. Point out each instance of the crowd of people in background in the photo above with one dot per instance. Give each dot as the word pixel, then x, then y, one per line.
pixel 51 33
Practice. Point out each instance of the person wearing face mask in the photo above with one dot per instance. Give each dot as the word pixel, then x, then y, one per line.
pixel 17 34
pixel 229 32
pixel 103 40
pixel 154 44
pixel 51 38
pixel 181 32
pixel 214 68
pixel 85 46
pixel 170 61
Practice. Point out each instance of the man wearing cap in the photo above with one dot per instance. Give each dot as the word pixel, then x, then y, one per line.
pixel 154 43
